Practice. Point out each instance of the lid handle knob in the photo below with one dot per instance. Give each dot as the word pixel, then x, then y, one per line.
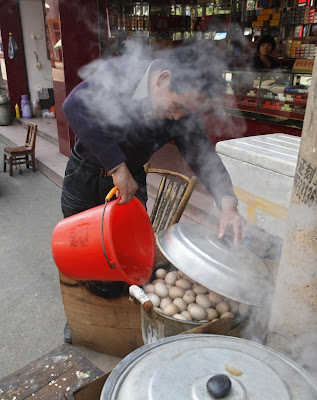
pixel 219 386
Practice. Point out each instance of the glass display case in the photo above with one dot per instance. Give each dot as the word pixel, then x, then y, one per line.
pixel 281 95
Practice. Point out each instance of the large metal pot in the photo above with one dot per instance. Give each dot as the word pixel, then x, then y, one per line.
pixel 5 110
pixel 155 325
pixel 200 367
pixel 236 274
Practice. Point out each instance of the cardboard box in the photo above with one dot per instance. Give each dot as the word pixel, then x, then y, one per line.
pixel 260 23
pixel 276 16
pixel 265 17
pixel 266 11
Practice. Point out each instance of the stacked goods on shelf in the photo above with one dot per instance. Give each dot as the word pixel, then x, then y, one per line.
pixel 275 21
pixel 295 48
pixel 268 17
pixel 287 100
pixel 312 16
pixel 299 47
pixel 132 22
pixel 292 100
pixel 299 15
pixel 301 18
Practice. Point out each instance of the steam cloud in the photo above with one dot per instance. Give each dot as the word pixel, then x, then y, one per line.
pixel 303 348
pixel 119 84
pixel 287 322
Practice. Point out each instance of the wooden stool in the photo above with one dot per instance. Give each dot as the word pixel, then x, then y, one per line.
pixel 57 375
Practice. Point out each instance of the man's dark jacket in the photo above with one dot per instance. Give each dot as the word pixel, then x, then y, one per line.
pixel 111 128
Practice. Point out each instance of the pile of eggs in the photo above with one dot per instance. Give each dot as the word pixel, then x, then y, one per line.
pixel 176 295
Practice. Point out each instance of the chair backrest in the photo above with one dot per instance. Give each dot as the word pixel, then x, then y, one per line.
pixel 172 197
pixel 31 136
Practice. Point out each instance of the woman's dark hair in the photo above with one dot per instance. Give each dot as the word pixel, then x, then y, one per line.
pixel 266 39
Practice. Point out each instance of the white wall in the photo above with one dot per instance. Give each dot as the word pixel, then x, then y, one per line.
pixel 32 21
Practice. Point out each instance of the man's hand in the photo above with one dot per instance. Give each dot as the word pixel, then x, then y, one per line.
pixel 125 183
pixel 231 217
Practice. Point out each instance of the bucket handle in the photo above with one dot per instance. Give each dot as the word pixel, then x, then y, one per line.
pixel 111 193
pixel 108 197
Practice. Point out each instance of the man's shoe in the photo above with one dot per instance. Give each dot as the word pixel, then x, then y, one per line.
pixel 67 334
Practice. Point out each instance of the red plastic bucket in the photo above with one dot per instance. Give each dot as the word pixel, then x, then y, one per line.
pixel 128 242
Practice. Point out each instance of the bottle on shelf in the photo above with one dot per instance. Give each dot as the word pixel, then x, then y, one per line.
pixel 26 107
pixel 17 111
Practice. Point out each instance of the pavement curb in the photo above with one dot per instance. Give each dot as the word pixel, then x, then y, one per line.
pixel 40 133
pixel 51 163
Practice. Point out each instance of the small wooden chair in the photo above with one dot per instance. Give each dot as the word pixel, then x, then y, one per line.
pixel 172 197
pixel 20 154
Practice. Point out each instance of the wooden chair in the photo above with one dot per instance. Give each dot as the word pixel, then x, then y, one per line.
pixel 172 197
pixel 20 155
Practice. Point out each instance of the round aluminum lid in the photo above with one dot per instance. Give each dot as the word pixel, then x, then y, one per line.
pixel 179 367
pixel 234 273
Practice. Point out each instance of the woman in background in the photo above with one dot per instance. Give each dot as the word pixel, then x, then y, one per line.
pixel 265 47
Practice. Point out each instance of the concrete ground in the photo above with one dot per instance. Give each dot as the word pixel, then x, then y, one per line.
pixel 32 316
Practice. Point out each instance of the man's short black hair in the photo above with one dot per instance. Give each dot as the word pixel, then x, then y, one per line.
pixel 266 39
pixel 196 65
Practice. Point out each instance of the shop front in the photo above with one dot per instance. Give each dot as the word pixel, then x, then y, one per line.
pixel 254 102
pixel 75 34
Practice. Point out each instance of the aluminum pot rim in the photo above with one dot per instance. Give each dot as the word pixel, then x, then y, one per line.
pixel 122 366
pixel 235 321
pixel 163 264
pixel 164 239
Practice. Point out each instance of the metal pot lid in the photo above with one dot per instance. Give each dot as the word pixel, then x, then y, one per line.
pixel 179 367
pixel 234 273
